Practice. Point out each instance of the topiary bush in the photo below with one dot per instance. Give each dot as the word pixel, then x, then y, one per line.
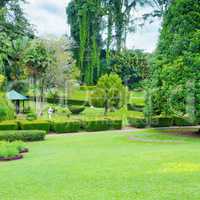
pixel 35 125
pixel 76 109
pixel 9 125
pixel 65 126
pixel 20 145
pixel 26 136
pixel 138 122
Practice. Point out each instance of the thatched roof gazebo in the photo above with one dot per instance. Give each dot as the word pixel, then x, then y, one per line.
pixel 17 98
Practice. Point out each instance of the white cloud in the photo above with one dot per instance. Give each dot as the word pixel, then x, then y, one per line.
pixel 49 17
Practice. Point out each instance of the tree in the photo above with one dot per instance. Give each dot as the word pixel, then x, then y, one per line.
pixel 109 92
pixel 176 65
pixel 37 59
pixel 130 65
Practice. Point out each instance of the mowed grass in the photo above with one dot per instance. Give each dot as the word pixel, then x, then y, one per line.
pixel 103 166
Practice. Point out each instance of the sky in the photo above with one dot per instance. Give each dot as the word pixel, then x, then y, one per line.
pixel 49 18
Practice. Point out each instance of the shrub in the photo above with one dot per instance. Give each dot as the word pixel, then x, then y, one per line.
pixel 66 126
pixel 96 125
pixel 28 135
pixel 9 125
pixel 8 150
pixel 138 122
pixel 115 123
pixel 160 121
pixel 35 125
pixel 20 145
pixel 182 121
pixel 6 109
pixel 76 109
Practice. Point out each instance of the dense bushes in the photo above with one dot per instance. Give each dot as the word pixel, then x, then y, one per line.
pixel 65 126
pixel 183 121
pixel 8 125
pixel 29 135
pixel 34 125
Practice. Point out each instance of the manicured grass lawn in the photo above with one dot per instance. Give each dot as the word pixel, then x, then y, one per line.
pixel 103 166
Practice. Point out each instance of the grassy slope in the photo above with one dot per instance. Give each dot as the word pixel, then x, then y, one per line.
pixel 103 166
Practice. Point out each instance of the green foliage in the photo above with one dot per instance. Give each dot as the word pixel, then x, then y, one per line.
pixel 160 121
pixel 138 122
pixel 31 116
pixel 183 121
pixel 131 66
pixel 68 126
pixel 23 135
pixel 8 150
pixel 9 125
pixel 34 125
pixel 76 109
pixel 175 68
pixel 6 109
pixel 96 125
pixel 109 92
pixel 20 145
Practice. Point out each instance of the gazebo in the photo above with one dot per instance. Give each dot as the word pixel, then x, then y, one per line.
pixel 16 97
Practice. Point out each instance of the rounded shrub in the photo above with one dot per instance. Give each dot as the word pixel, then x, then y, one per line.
pixel 76 109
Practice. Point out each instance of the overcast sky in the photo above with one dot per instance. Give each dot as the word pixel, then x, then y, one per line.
pixel 49 17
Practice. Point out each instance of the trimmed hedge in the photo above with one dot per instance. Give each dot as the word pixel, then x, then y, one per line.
pixel 26 136
pixel 35 125
pixel 96 125
pixel 65 126
pixel 182 121
pixel 76 109
pixel 115 123
pixel 137 122
pixel 8 125
pixel 160 121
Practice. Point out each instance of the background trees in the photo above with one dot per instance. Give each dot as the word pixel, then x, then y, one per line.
pixel 176 66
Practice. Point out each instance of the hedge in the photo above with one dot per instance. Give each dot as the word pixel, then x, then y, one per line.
pixel 138 122
pixel 161 121
pixel 26 136
pixel 66 126
pixel 115 123
pixel 8 125
pixel 96 124
pixel 35 125
pixel 182 121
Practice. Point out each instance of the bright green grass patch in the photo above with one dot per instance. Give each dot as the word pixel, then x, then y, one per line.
pixel 103 166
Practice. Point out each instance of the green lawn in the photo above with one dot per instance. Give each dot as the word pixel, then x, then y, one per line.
pixel 103 166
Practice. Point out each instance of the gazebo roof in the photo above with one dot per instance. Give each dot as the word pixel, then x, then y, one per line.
pixel 13 95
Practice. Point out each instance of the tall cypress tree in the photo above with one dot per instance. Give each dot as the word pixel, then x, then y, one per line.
pixel 175 77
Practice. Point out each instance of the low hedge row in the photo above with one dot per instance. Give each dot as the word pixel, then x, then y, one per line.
pixel 160 121
pixel 26 136
pixel 87 125
pixel 65 126
pixel 35 125
pixel 9 125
